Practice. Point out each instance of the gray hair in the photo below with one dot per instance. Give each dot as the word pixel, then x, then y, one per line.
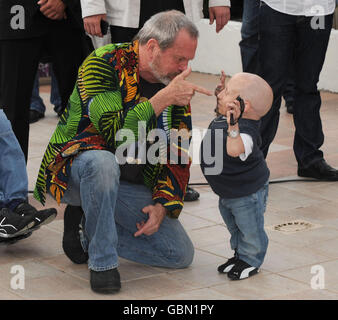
pixel 164 27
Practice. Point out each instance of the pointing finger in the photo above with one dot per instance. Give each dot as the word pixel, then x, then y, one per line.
pixel 202 90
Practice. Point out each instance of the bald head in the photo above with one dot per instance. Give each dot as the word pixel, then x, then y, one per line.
pixel 253 89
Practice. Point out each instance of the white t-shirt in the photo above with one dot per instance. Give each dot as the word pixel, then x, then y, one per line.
pixel 303 7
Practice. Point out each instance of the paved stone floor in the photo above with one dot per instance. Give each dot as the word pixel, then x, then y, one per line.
pixel 294 260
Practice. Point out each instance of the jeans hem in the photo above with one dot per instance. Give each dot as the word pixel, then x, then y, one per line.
pixel 251 262
pixel 98 269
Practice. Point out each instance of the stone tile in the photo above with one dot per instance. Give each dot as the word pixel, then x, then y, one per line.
pixel 309 295
pixel 221 249
pixel 201 277
pixel 63 264
pixel 280 257
pixel 283 199
pixel 131 271
pixel 40 280
pixel 261 286
pixel 309 273
pixel 203 257
pixel 209 236
pixel 46 288
pixel 190 222
pixel 7 295
pixel 210 213
pixel 301 239
pixel 42 243
pixel 156 287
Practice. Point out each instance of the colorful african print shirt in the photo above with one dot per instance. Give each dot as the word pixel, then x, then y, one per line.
pixel 106 98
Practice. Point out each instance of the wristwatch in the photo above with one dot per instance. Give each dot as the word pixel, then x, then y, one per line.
pixel 233 133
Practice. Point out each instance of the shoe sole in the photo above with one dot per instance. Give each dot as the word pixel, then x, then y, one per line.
pixel 9 241
pixel 304 175
pixel 111 290
pixel 30 227
pixel 24 230
pixel 232 277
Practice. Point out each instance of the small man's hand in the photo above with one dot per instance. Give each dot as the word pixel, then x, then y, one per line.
pixel 92 24
pixel 221 84
pixel 233 108
pixel 156 215
pixel 221 14
pixel 53 9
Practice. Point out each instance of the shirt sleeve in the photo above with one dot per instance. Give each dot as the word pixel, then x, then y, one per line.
pixel 217 3
pixel 248 146
pixel 92 7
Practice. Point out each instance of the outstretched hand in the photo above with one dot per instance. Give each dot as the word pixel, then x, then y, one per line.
pixel 221 84
pixel 178 92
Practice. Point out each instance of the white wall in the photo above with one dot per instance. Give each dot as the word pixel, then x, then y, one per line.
pixel 221 51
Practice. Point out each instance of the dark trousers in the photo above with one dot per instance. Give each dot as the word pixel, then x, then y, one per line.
pixel 249 46
pixel 283 39
pixel 18 64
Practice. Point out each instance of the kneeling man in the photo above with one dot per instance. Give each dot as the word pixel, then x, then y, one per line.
pixel 129 211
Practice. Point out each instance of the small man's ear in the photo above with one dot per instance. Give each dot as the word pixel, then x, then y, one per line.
pixel 247 106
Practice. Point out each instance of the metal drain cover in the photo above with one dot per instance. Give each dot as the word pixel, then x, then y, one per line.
pixel 294 226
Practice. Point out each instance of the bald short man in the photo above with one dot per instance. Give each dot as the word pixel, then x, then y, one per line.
pixel 241 179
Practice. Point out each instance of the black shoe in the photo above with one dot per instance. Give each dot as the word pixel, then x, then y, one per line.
pixel 58 109
pixel 105 281
pixel 319 170
pixel 289 108
pixel 12 225
pixel 71 243
pixel 242 270
pixel 191 194
pixel 40 217
pixel 7 241
pixel 226 267
pixel 35 116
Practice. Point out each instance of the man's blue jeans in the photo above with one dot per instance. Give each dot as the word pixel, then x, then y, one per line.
pixel 13 174
pixel 112 208
pixel 285 38
pixel 244 218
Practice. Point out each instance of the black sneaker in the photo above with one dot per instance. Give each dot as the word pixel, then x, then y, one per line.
pixel 40 217
pixel 7 241
pixel 71 243
pixel 12 225
pixel 191 194
pixel 242 270
pixel 105 281
pixel 226 267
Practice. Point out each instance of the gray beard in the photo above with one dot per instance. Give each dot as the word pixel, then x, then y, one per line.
pixel 163 79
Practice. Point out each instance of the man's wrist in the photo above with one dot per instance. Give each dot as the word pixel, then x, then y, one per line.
pixel 233 131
